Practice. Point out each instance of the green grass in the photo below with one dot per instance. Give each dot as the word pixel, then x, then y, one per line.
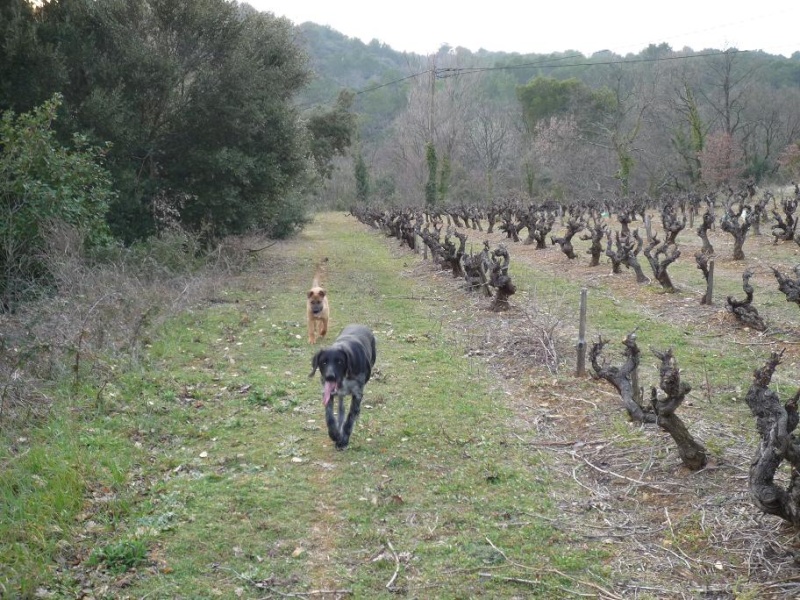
pixel 119 557
pixel 45 486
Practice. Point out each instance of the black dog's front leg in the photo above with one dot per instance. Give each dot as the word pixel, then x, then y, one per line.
pixel 355 409
pixel 333 426
pixel 340 416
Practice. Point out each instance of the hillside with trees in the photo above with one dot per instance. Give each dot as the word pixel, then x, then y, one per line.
pixel 218 119
pixel 561 125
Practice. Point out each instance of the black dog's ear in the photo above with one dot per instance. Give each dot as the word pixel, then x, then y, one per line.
pixel 349 360
pixel 314 363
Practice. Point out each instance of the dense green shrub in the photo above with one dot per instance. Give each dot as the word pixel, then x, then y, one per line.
pixel 43 183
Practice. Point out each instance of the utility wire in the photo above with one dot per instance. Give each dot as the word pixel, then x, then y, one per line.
pixel 442 72
pixel 594 64
pixel 387 84
pixel 544 63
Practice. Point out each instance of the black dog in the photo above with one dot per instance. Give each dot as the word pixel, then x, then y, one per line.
pixel 344 368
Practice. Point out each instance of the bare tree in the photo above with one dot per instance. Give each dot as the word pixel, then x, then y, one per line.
pixel 763 133
pixel 691 129
pixel 435 114
pixel 558 150
pixel 729 80
pixel 721 160
pixel 487 136
pixel 410 133
pixel 633 92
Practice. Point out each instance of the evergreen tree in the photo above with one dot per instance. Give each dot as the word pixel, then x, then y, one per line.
pixel 362 179
pixel 196 99
pixel 430 186
pixel 332 132
pixel 30 70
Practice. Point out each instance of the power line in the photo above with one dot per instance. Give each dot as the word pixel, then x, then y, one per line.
pixel 543 63
pixel 383 85
pixel 442 72
pixel 468 71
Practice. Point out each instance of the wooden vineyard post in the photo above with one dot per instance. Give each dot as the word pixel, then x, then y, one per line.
pixel 710 283
pixel 637 392
pixel 581 370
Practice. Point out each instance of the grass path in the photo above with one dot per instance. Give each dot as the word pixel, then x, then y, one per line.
pixel 238 492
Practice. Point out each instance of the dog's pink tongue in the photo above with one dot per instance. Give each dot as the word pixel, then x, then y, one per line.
pixel 327 391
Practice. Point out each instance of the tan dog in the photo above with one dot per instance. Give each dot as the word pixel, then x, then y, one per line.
pixel 317 309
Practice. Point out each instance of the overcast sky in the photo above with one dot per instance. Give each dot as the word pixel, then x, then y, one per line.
pixel 545 26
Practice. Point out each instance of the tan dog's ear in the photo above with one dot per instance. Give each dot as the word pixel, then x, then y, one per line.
pixel 310 293
pixel 322 293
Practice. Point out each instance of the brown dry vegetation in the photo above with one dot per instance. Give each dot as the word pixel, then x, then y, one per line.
pixel 102 316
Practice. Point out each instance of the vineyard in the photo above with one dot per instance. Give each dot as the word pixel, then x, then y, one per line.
pixel 694 520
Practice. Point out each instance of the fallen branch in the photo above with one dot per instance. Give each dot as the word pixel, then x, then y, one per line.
pixel 254 250
pixel 390 583
pixel 626 478
pixel 510 579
